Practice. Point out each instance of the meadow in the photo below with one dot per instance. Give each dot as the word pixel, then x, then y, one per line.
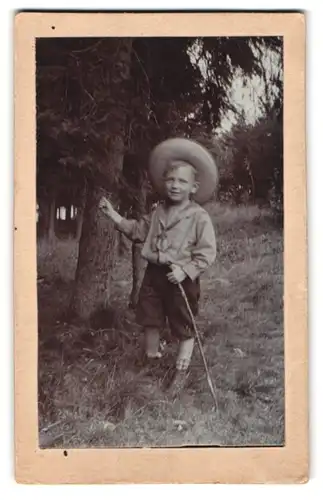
pixel 94 390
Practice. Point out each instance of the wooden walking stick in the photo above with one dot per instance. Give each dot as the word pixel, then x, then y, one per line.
pixel 199 341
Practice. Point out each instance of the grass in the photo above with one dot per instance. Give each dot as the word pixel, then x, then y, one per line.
pixel 94 390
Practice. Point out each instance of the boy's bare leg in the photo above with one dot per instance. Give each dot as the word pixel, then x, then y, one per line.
pixel 184 354
pixel 182 363
pixel 152 339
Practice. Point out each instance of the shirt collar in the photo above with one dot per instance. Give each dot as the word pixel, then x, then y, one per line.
pixel 184 212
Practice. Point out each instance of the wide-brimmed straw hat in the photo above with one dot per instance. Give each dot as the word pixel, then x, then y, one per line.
pixel 190 152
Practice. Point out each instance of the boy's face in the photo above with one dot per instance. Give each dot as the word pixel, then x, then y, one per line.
pixel 180 183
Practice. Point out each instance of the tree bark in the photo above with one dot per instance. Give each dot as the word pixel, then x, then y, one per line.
pixel 138 271
pixel 80 213
pixel 134 202
pixel 96 260
pixel 138 263
pixel 79 224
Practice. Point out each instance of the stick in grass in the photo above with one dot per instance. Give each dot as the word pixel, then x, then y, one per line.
pixel 199 341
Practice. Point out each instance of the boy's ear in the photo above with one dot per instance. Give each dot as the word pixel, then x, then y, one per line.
pixel 195 187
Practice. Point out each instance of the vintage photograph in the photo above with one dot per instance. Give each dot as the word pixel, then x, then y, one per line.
pixel 160 241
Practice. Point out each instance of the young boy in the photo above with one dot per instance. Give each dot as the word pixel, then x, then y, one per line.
pixel 179 244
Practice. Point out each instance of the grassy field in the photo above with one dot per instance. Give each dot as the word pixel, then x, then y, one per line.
pixel 94 391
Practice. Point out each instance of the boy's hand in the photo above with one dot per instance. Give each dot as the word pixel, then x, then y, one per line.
pixel 176 275
pixel 106 206
pixel 108 209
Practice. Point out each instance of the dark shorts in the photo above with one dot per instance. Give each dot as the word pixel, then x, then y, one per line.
pixel 160 300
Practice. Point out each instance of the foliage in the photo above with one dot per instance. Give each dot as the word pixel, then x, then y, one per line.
pixel 178 86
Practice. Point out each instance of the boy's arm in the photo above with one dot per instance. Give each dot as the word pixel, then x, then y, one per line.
pixel 204 252
pixel 135 230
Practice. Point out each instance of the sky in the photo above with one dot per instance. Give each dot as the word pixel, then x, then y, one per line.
pixel 245 96
pixel 246 93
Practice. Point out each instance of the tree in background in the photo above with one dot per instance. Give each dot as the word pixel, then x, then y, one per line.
pixel 253 154
pixel 87 119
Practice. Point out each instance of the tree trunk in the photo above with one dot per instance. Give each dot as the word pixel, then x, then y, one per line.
pixel 138 263
pixel 68 217
pixel 138 271
pixel 43 221
pixel 52 217
pixel 134 201
pixel 79 224
pixel 80 213
pixel 97 249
